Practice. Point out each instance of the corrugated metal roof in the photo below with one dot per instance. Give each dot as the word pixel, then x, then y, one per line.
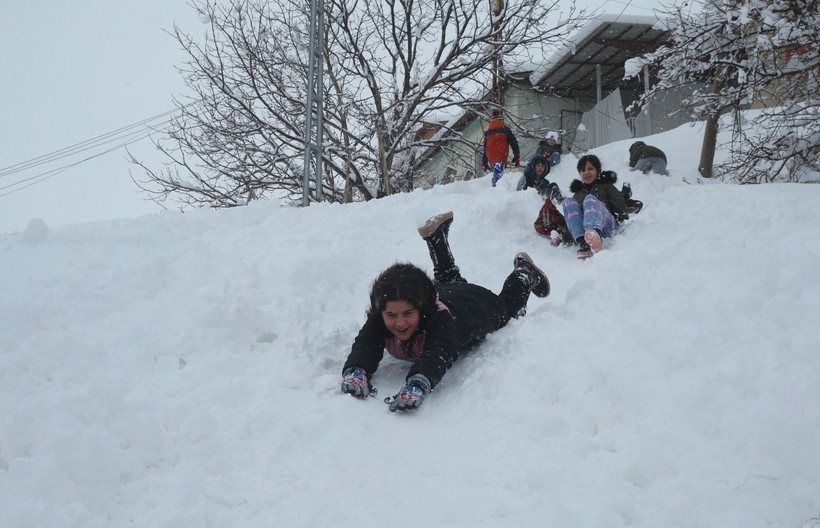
pixel 606 42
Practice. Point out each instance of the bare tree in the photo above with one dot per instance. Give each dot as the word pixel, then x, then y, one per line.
pixel 732 53
pixel 390 67
pixel 781 142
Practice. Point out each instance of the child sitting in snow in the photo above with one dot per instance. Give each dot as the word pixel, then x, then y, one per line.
pixel 535 177
pixel 429 323
pixel 550 148
pixel 595 207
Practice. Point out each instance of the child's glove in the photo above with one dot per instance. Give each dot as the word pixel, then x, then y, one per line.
pixel 355 383
pixel 411 395
pixel 517 161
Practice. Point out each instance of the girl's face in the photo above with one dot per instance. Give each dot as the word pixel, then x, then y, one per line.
pixel 588 173
pixel 401 318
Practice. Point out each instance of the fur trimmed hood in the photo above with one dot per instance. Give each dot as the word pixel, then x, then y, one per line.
pixel 606 176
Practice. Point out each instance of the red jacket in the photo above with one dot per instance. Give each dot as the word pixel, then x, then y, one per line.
pixel 498 140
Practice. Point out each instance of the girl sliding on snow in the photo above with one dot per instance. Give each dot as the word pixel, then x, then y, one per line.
pixel 595 207
pixel 429 323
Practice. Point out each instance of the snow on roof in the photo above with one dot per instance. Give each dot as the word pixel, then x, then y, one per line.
pixel 595 37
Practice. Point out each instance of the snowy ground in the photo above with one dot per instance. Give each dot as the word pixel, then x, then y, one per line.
pixel 183 370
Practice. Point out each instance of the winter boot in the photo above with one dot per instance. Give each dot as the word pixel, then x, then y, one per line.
pixel 434 232
pixel 584 251
pixel 593 238
pixel 539 283
pixel 561 235
pixel 633 206
pixel 439 223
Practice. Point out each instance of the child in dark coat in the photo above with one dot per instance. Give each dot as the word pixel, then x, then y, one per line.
pixel 646 158
pixel 535 177
pixel 430 323
pixel 595 207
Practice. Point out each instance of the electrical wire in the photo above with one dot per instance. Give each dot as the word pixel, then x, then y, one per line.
pixel 88 144
pixel 122 136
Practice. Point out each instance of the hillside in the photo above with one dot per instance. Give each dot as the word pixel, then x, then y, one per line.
pixel 182 370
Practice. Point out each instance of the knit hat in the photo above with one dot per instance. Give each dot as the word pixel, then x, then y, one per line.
pixel 552 134
pixel 496 113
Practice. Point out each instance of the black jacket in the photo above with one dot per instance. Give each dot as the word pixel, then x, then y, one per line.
pixel 640 150
pixel 473 313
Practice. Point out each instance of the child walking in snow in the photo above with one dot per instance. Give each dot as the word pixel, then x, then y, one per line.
pixel 498 140
pixel 429 323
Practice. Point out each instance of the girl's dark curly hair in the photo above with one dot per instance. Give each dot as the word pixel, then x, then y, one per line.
pixel 592 158
pixel 403 282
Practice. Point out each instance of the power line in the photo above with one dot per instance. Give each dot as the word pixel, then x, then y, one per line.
pixel 123 136
pixel 88 144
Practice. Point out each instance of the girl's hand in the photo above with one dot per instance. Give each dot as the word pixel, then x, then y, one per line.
pixel 355 383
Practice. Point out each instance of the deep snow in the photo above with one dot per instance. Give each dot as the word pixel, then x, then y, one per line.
pixel 182 370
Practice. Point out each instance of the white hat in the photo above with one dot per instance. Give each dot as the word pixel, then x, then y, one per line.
pixel 552 134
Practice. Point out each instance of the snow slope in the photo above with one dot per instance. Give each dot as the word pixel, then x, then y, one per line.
pixel 182 370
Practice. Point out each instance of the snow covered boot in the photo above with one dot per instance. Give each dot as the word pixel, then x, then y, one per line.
pixel 584 251
pixel 632 206
pixel 538 281
pixel 434 232
pixel 593 238
pixel 561 235
pixel 437 224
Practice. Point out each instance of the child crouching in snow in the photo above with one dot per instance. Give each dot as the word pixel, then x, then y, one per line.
pixel 595 207
pixel 429 323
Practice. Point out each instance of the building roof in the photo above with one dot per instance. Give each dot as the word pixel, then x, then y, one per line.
pixel 608 41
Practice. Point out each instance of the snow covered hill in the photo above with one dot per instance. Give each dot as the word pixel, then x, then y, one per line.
pixel 182 370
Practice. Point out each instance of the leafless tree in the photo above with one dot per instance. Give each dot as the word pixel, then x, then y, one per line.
pixel 390 67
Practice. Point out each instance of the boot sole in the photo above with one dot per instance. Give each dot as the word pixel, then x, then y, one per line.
pixel 434 222
pixel 594 240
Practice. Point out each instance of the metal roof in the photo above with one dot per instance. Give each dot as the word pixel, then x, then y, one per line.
pixel 609 44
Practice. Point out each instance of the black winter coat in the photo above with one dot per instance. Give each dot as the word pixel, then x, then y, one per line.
pixel 640 150
pixel 604 189
pixel 473 312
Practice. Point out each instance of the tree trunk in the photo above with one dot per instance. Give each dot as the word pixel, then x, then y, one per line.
pixel 707 150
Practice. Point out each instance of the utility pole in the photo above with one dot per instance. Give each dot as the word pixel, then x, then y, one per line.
pixel 314 108
pixel 496 8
